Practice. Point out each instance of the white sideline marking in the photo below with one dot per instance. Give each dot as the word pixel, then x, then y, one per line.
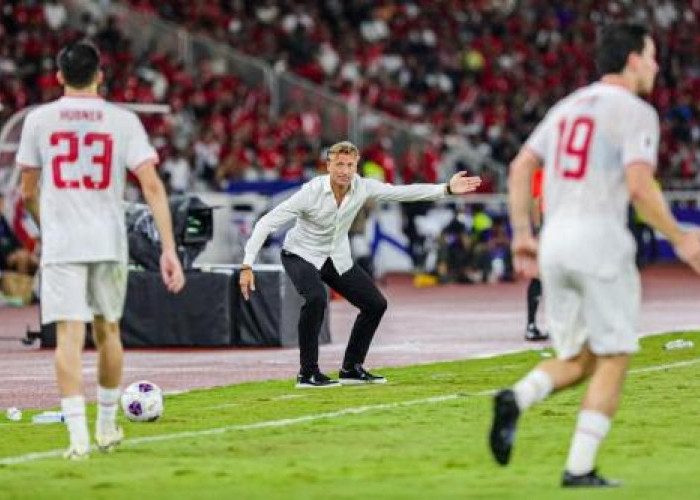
pixel 660 368
pixel 30 457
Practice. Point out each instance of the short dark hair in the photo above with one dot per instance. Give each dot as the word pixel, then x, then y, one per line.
pixel 79 63
pixel 616 43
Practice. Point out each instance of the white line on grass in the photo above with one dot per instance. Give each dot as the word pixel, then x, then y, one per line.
pixel 31 457
pixel 660 368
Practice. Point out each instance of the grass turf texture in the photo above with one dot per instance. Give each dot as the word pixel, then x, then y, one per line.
pixel 430 450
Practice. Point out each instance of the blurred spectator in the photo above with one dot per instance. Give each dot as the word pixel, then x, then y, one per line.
pixel 55 14
pixel 237 163
pixel 13 256
pixel 499 251
pixel 207 152
pixel 455 252
pixel 177 172
pixel 377 160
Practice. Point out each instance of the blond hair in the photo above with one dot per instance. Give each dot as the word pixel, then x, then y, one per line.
pixel 343 147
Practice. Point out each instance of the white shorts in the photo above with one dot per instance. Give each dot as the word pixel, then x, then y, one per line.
pixel 584 309
pixel 79 292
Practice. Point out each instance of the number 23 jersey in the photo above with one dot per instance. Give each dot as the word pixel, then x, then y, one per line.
pixel 586 142
pixel 83 146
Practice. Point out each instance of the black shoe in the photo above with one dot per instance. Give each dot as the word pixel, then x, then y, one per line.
pixel 534 334
pixel 358 375
pixel 505 418
pixel 315 381
pixel 590 480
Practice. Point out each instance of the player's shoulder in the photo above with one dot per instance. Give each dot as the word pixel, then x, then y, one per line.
pixel 628 101
pixel 645 109
pixel 561 106
pixel 575 98
pixel 40 111
pixel 120 112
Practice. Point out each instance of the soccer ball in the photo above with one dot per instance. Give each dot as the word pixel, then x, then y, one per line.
pixel 142 401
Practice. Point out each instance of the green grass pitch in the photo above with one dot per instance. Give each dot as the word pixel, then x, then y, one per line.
pixel 423 435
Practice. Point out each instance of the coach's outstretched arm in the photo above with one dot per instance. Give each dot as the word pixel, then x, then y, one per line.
pixel 273 220
pixel 154 192
pixel 649 202
pixel 460 183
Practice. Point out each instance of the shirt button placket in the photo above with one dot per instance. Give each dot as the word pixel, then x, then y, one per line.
pixel 335 229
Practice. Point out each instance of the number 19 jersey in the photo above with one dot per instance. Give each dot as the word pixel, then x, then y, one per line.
pixel 83 146
pixel 586 142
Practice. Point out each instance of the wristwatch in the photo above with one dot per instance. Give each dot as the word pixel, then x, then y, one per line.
pixel 447 188
pixel 245 267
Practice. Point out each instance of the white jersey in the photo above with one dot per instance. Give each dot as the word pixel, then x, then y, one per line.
pixel 83 146
pixel 586 142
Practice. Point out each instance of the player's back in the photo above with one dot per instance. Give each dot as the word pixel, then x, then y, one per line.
pixel 83 146
pixel 586 142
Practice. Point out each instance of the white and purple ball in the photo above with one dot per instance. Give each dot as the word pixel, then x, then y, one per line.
pixel 142 401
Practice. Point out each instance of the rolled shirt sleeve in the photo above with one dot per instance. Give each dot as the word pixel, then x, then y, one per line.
pixel 139 150
pixel 641 142
pixel 539 139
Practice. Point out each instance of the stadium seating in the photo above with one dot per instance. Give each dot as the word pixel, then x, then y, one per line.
pixel 488 77
pixel 484 69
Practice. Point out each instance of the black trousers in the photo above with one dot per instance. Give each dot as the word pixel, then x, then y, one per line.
pixel 355 285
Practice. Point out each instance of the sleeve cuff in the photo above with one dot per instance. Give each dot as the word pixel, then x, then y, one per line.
pixel 150 160
pixel 527 147
pixel 248 260
pixel 26 166
pixel 636 162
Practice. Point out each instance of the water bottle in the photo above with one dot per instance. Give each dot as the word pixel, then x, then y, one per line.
pixel 679 344
pixel 48 417
pixel 14 414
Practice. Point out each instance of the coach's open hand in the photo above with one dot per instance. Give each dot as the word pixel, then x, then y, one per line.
pixel 247 282
pixel 171 271
pixel 461 184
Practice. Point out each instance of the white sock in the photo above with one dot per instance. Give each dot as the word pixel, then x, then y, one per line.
pixel 591 429
pixel 107 400
pixel 532 388
pixel 74 413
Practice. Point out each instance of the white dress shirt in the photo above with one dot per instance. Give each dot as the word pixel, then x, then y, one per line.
pixel 321 228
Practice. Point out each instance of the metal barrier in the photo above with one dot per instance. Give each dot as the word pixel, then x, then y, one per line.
pixel 148 35
pixel 253 72
pixel 337 116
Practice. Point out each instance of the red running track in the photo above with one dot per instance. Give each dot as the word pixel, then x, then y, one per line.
pixel 421 325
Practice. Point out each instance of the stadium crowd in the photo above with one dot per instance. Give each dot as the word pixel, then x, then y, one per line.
pixel 482 71
pixel 477 72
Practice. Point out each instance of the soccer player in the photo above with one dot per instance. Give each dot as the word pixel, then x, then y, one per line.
pixel 317 251
pixel 77 150
pixel 534 289
pixel 599 150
